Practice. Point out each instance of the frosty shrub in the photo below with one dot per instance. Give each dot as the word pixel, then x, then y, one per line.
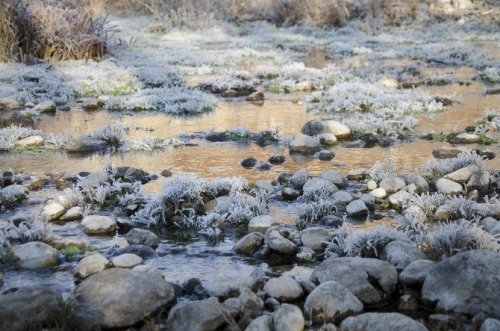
pixel 11 195
pixel 338 244
pixel 50 30
pixel 428 203
pixel 448 239
pixel 314 211
pixel 439 168
pixel 369 243
pixel 318 188
pixel 462 207
pixel 383 169
pixel 114 134
pixel 29 230
pixel 414 225
pixel 491 75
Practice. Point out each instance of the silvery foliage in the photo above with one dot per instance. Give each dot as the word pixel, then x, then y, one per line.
pixel 338 244
pixel 12 194
pixel 318 200
pixel 427 203
pixel 414 225
pixel 29 230
pixel 447 239
pixel 383 169
pixel 9 136
pixel 463 207
pixel 71 197
pixel 181 203
pixel 111 192
pixel 491 75
pixel 369 243
pixel 370 107
pixel 439 168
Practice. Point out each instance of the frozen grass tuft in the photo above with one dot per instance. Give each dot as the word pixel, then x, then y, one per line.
pixel 369 107
pixel 11 135
pixel 439 168
pixel 370 243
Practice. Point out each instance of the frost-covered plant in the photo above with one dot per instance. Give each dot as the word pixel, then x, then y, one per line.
pixel 11 195
pixel 448 239
pixel 313 211
pixel 383 169
pixel 171 100
pixel 112 192
pixel 10 136
pixel 239 133
pixel 414 225
pixel 238 208
pixel 491 75
pixel 427 202
pixel 317 189
pixel 338 244
pixel 439 168
pixel 29 230
pixel 224 186
pixel 114 134
pixel 70 198
pixel 369 243
pixel 462 207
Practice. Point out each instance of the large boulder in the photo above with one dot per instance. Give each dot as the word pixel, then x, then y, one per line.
pixel 28 307
pixel 288 317
pixel 284 289
pixel 34 255
pixel 400 254
pixel 467 283
pixel 372 281
pixel 331 302
pixel 117 298
pixel 98 225
pixel 381 322
pixel 206 315
pixel 142 237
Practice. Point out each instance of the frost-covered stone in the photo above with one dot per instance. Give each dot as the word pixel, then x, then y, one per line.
pixel 117 298
pixel 357 274
pixel 401 254
pixel 31 142
pixel 372 185
pixel 342 198
pixel 304 144
pixel 381 322
pixel 262 323
pixel 284 289
pixel 335 177
pixel 419 181
pixel 34 255
pixel 325 155
pixel 314 237
pixel 392 184
pixel 481 181
pixel 357 208
pixel 127 261
pixel 249 243
pixel 465 138
pixel 316 127
pixel 98 225
pixel 331 302
pixel 85 145
pixel 90 265
pixel 379 193
pixel 414 274
pixel 46 107
pixel 327 139
pixel 260 223
pixel 357 174
pixel 467 283
pixel 399 198
pixel 72 214
pixel 142 237
pixel 462 175
pixel 288 317
pixel 490 324
pixel 448 187
pixel 53 211
pixel 148 269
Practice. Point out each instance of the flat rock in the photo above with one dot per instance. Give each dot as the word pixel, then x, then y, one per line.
pixel 34 255
pixel 53 211
pixel 448 187
pixel 392 184
pixel 314 237
pixel 465 138
pixel 31 141
pixel 357 208
pixel 98 225
pixel 260 223
pixel 127 261
pixel 117 298
pixel 462 175
pixel 399 198
pixel 279 244
pixel 90 265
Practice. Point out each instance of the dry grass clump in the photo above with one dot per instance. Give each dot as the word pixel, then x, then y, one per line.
pixel 50 30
